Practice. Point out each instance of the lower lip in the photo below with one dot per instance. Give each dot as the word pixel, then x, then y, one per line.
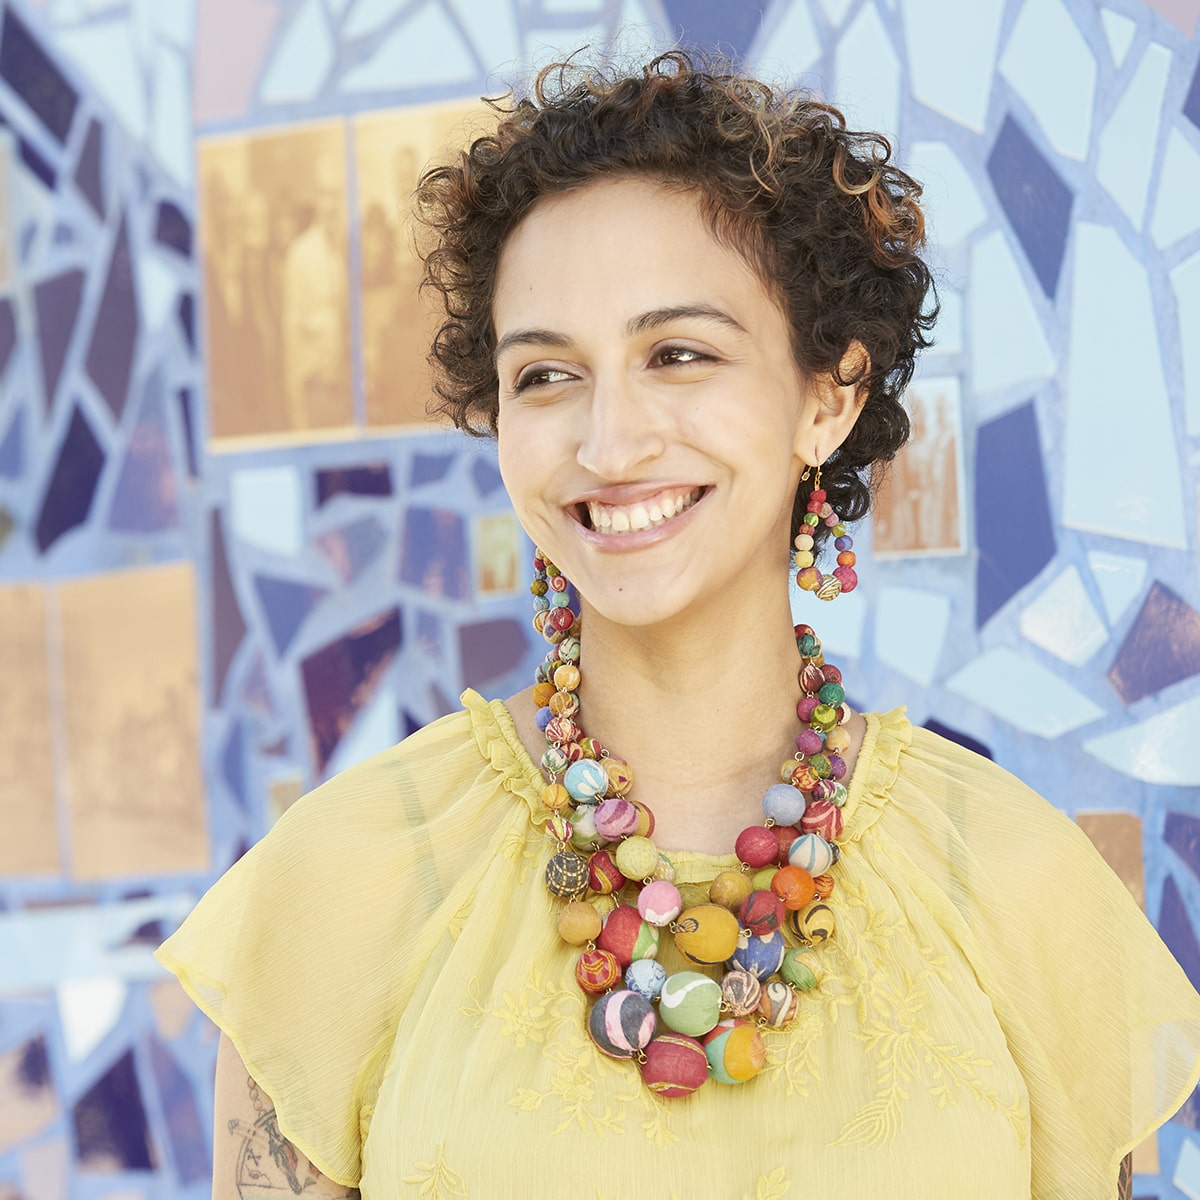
pixel 618 543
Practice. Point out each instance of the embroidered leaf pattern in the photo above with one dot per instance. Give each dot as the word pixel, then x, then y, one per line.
pixel 771 1187
pixel 436 1180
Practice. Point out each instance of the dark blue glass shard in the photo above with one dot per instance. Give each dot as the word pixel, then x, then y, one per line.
pixel 433 556
pixel 8 334
pixel 115 329
pixel 1013 530
pixel 1175 928
pixel 233 763
pixel 12 448
pixel 229 627
pixel 409 724
pixel 89 171
pixel 1191 102
pixel 286 604
pixel 1182 833
pixel 35 77
pixel 39 165
pixel 374 479
pixel 489 650
pixel 56 304
pixel 486 477
pixel 181 1115
pixel 184 399
pixel 429 468
pixel 145 499
pixel 714 24
pixel 109 1123
pixel 186 312
pixel 33 1069
pixel 1035 199
pixel 956 735
pixel 341 678
pixel 173 229
pixel 1161 648
pixel 72 487
pixel 64 235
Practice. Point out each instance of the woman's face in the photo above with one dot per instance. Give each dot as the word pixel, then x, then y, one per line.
pixel 652 420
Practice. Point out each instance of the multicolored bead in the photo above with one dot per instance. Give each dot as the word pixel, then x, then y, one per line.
pixel 760 956
pixel 812 852
pixel 567 875
pixel 762 912
pixel 778 1003
pixel 586 780
pixel 646 976
pixel 616 818
pixel 622 1023
pixel 659 902
pixel 690 1003
pixel 675 1065
pixel 626 936
pixel 740 992
pixel 604 876
pixel 814 925
pixel 823 817
pixel 620 775
pixel 735 1051
pixel 800 969
pixel 596 971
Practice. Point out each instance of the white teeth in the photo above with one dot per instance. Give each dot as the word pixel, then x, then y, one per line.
pixel 609 519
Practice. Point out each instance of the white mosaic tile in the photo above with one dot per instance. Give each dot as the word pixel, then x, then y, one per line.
pixel 375 728
pixel 836 10
pixel 867 75
pixel 1117 480
pixel 493 31
pixel 157 289
pixel 88 1011
pixel 1119 579
pixel 792 48
pixel 839 626
pixel 959 83
pixel 948 333
pixel 174 20
pixel 1063 620
pixel 1185 281
pixel 1127 145
pixel 336 7
pixel 951 201
pixel 1052 69
pixel 997 299
pixel 910 630
pixel 303 58
pixel 171 115
pixel 1162 749
pixel 1176 207
pixel 1118 31
pixel 266 509
pixel 425 50
pixel 1000 681
pixel 370 16
pixel 104 53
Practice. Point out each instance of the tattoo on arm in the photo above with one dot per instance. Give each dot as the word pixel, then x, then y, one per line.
pixel 1125 1179
pixel 267 1164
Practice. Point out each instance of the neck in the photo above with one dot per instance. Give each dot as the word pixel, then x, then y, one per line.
pixel 703 709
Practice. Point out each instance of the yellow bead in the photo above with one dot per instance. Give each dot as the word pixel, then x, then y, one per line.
pixel 579 923
pixel 837 740
pixel 804 558
pixel 555 797
pixel 761 879
pixel 730 889
pixel 542 693
pixel 566 677
pixel 637 858
pixel 706 934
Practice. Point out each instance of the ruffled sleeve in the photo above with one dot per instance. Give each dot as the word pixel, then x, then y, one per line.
pixel 1099 1018
pixel 306 951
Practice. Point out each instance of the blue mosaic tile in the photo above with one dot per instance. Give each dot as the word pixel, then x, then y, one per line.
pixel 229 627
pixel 115 330
pixel 374 479
pixel 1185 282
pixel 172 229
pixel 1175 210
pixel 868 74
pixel 63 235
pixel 186 315
pixel 429 633
pixel 183 398
pixel 1013 530
pixel 1035 199
pixel 109 1123
pixel 89 171
pixel 353 548
pixel 957 735
pixel 339 680
pixel 1161 648
pixel 56 303
pixel 1191 102
pixel 303 57
pixel 1181 832
pixel 434 553
pixel 369 17
pixel 1175 928
pixel 39 165
pixel 256 687
pixel 426 50
pixel 286 605
pixel 1119 579
pixel 186 1135
pixel 489 650
pixel 145 498
pixel 1063 621
pixel 35 77
pixel 1118 32
pixel 8 334
pixel 486 477
pixel 72 487
pixel 374 729
pixel 12 448
pixel 429 468
pixel 715 23
pixel 233 762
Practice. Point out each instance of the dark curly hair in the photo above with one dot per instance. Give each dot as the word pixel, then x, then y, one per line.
pixel 830 224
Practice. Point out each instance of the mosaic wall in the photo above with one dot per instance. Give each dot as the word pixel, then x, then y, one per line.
pixel 234 556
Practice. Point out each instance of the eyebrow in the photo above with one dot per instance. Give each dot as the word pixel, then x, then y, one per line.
pixel 642 323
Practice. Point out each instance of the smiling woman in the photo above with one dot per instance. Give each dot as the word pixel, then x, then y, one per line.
pixel 687 306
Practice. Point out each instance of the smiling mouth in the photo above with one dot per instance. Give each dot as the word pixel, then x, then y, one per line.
pixel 616 519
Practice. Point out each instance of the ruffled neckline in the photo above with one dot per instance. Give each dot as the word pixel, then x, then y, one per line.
pixel 888 736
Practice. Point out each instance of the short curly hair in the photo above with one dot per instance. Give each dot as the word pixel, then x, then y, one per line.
pixel 823 215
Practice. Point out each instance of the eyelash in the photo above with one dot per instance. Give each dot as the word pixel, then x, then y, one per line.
pixel 528 380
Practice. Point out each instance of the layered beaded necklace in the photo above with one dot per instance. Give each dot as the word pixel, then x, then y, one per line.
pixel 619 893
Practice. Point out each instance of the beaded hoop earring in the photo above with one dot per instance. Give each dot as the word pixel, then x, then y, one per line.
pixel 809 577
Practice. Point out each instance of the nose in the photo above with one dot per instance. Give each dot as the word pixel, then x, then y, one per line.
pixel 623 432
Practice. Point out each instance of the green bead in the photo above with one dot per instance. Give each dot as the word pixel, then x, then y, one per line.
pixel 807 645
pixel 832 693
pixel 762 878
pixel 819 765
pixel 799 969
pixel 825 716
pixel 811 519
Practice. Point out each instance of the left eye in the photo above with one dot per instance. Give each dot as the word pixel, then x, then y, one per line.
pixel 681 355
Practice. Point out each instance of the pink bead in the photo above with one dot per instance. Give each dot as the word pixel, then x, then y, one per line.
pixel 808 741
pixel 825 789
pixel 756 846
pixel 616 818
pixel 832 520
pixel 847 578
pixel 837 766
pixel 818 494
pixel 659 902
pixel 804 710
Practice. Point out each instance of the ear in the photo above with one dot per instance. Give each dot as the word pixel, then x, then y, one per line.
pixel 834 407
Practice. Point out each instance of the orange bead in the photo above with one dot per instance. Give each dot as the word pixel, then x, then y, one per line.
pixel 566 678
pixel 542 693
pixel 794 886
pixel 837 740
pixel 846 558
pixel 563 704
pixel 824 886
pixel 808 580
pixel 556 797
pixel 539 620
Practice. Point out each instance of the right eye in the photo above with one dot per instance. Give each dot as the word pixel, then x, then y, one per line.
pixel 539 376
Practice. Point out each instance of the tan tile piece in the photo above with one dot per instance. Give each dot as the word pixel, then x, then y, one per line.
pixel 1145 1157
pixel 496 555
pixel 172 1009
pixel 282 793
pixel 27 811
pixel 45 1167
pixel 132 700
pixel 1118 837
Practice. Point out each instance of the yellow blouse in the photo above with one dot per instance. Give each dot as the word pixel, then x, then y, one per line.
pixel 996 1019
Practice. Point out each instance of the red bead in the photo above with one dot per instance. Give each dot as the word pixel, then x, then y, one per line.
pixel 785 835
pixel 762 912
pixel 604 877
pixel 832 674
pixel 596 971
pixel 805 707
pixel 560 618
pixel 802 631
pixel 558 583
pixel 818 495
pixel 756 846
pixel 847 577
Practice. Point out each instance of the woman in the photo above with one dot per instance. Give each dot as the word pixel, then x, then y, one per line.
pixel 687 305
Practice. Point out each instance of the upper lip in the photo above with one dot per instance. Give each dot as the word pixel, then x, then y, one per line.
pixel 622 494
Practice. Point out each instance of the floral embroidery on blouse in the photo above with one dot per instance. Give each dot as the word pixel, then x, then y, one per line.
pixel 436 1180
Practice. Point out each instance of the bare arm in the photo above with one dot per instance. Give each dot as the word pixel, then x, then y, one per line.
pixel 250 1156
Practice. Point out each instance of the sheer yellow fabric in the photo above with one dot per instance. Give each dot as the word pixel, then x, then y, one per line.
pixel 996 1017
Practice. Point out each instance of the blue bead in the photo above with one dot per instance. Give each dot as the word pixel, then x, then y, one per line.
pixel 542 718
pixel 844 543
pixel 761 956
pixel 646 976
pixel 540 604
pixel 559 599
pixel 783 804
